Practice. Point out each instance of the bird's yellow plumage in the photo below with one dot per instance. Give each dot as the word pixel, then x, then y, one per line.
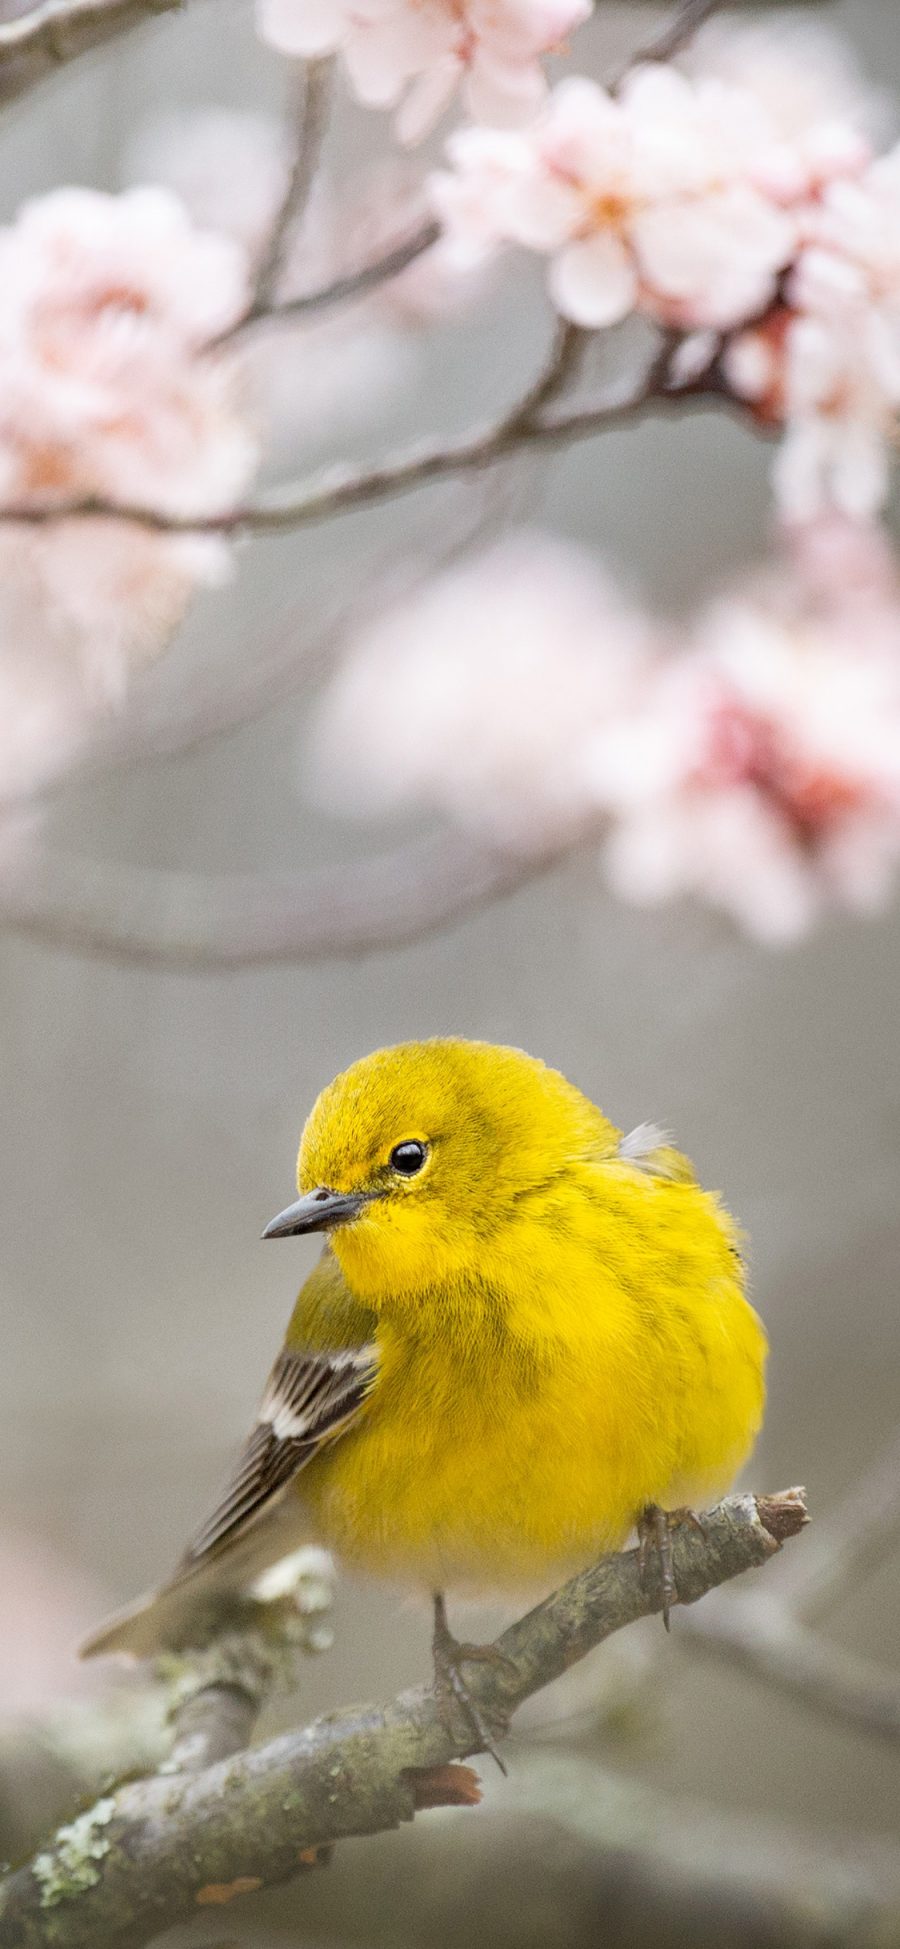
pixel 524 1329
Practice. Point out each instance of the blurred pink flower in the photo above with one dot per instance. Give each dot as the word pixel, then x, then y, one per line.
pixel 108 303
pixel 645 200
pixel 821 116
pixel 760 770
pixel 415 53
pixel 476 695
pixel 754 764
pixel 83 604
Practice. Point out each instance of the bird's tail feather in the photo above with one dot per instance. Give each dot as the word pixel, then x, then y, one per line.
pixel 194 1606
pixel 161 1620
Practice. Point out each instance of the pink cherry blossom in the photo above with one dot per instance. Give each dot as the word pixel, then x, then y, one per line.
pixel 646 200
pixel 414 54
pixel 474 696
pixel 105 390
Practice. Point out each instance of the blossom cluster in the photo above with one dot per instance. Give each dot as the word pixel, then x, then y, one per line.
pixel 414 54
pixel 107 394
pixel 107 302
pixel 826 363
pixel 118 388
pixel 646 200
pixel 738 192
pixel 752 760
pixel 683 196
pixel 742 197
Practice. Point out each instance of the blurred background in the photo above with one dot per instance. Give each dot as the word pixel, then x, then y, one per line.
pixel 152 1117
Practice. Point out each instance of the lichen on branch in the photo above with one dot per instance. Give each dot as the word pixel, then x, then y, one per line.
pixel 261 1817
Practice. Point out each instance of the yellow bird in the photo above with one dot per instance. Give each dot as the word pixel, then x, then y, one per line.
pixel 526 1335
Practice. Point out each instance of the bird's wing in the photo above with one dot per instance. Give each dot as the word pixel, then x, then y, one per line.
pixel 311 1397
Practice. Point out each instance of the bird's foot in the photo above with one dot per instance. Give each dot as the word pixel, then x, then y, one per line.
pixel 654 1533
pixel 449 1655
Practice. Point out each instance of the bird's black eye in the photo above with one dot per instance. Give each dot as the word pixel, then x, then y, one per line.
pixel 408 1158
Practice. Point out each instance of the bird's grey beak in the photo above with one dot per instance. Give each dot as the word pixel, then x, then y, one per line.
pixel 319 1211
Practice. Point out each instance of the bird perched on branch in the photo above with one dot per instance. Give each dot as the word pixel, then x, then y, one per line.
pixel 526 1335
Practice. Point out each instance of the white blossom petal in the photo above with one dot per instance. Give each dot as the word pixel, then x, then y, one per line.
pixel 594 283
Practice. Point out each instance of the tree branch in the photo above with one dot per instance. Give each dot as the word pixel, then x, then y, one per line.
pixel 245 920
pixel 343 490
pixel 354 284
pixel 146 1857
pixel 686 22
pixel 312 123
pixel 55 32
pixel 178 919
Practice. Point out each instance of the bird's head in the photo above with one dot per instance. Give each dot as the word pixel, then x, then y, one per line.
pixel 418 1156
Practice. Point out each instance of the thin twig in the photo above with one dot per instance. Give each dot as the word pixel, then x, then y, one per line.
pixel 686 22
pixel 769 1635
pixel 172 919
pixel 354 284
pixel 340 491
pixel 314 84
pixel 144 1858
pixel 36 43
pixel 561 367
pixel 293 658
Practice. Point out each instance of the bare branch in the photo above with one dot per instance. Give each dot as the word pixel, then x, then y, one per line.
pixel 342 490
pixel 218 1696
pixel 144 1858
pixel 312 122
pixel 36 43
pixel 245 920
pixel 769 1636
pixel 686 21
pixel 562 366
pixel 355 284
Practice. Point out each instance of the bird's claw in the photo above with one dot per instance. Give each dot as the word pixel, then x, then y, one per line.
pixel 654 1532
pixel 449 1655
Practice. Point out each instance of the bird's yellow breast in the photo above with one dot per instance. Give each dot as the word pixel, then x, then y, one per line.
pixel 603 1357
